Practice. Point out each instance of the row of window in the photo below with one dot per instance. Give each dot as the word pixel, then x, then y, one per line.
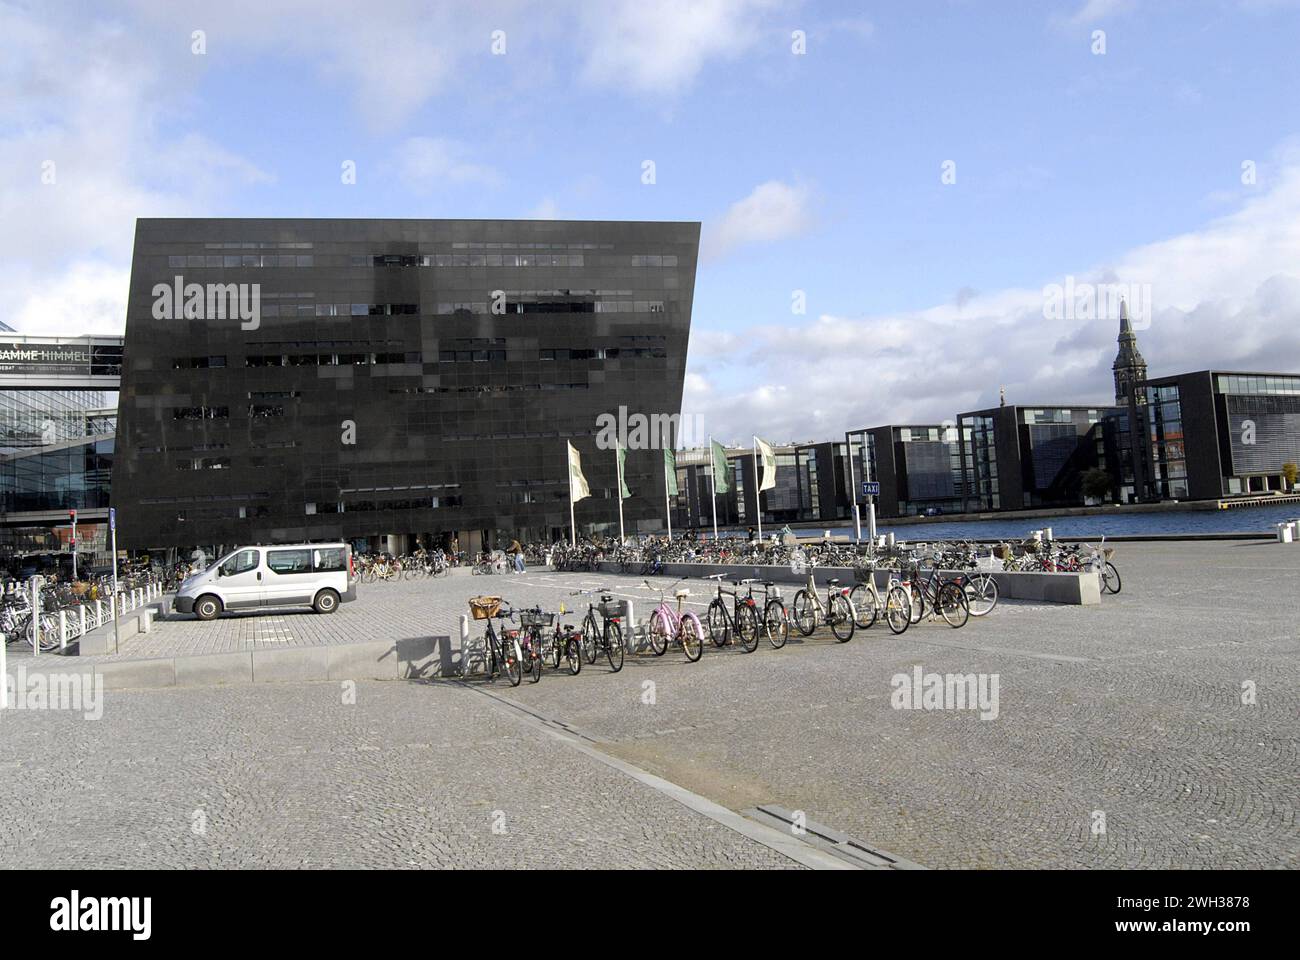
pixel 367 506
pixel 260 260
pixel 493 389
pixel 255 411
pixel 494 355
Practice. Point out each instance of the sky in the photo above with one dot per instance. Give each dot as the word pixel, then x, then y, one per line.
pixel 888 190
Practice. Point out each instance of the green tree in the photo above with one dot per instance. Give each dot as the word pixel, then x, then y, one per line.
pixel 1096 483
pixel 1289 474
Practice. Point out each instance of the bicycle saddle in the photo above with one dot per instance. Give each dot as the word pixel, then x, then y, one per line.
pixel 834 582
pixel 750 580
pixel 715 576
pixel 683 592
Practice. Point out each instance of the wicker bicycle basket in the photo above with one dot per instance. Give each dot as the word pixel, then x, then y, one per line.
pixel 484 608
pixel 533 618
pixel 1108 552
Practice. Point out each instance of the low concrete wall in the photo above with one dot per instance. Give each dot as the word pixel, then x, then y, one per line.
pixel 376 660
pixel 1072 588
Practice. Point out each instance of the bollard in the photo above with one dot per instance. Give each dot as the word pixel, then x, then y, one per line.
pixel 464 645
pixel 81 611
pixel 630 641
pixel 63 629
pixel 99 612
pixel 1284 533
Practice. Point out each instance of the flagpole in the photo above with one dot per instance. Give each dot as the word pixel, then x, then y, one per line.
pixel 618 464
pixel 573 526
pixel 757 492
pixel 668 509
pixel 713 487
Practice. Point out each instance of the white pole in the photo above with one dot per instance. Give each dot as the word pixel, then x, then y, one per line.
pixel 668 507
pixel 853 494
pixel 36 616
pixel 112 526
pixel 618 466
pixel 713 488
pixel 74 545
pixel 758 508
pixel 871 497
pixel 573 526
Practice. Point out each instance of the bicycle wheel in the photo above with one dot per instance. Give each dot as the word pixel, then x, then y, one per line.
pixel 805 613
pixel 719 624
pixel 490 659
pixel 691 634
pixel 952 606
pixel 865 608
pixel 589 639
pixel 841 617
pixel 776 624
pixel 658 634
pixel 614 645
pixel 918 604
pixel 514 665
pixel 573 655
pixel 1110 582
pixel 535 660
pixel 981 594
pixel 747 628
pixel 898 609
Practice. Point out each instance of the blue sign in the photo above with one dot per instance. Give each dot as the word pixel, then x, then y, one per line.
pixel 871 488
pixel 112 518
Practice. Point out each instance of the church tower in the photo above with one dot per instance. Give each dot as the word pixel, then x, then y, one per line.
pixel 1129 367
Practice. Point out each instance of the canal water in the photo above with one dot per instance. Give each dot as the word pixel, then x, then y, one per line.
pixel 1241 520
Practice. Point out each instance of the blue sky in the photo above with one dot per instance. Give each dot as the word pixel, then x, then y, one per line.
pixel 817 172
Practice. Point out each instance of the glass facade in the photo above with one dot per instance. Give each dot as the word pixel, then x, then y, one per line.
pixel 402 376
pixel 982 456
pixel 1168 447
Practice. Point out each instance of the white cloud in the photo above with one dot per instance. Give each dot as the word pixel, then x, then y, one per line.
pixel 773 211
pixel 1225 296
pixel 546 209
pixel 661 47
pixel 427 164
pixel 1094 10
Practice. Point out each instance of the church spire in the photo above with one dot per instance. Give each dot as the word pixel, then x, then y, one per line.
pixel 1129 367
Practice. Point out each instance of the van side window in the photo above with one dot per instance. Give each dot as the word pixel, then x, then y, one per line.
pixel 241 562
pixel 329 559
pixel 289 561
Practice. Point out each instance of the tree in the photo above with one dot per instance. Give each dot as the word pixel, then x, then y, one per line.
pixel 1289 474
pixel 1096 483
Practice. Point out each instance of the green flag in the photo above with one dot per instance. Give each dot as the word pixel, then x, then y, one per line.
pixel 623 492
pixel 670 471
pixel 721 469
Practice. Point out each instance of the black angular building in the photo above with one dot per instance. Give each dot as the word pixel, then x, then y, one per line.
pixel 407 379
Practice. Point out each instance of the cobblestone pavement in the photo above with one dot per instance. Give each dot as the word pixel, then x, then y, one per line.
pixel 1131 711
pixel 408 775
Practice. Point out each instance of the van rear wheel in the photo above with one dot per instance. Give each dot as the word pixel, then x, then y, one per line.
pixel 207 607
pixel 327 601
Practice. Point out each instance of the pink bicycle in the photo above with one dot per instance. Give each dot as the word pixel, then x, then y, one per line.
pixel 668 623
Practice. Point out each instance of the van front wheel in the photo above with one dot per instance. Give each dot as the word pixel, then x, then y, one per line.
pixel 327 601
pixel 207 607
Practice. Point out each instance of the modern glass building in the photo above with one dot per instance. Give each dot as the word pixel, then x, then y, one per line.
pixel 406 379
pixel 1218 434
pixel 58 399
pixel 918 467
pixel 1021 457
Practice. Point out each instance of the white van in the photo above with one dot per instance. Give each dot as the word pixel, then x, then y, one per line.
pixel 316 575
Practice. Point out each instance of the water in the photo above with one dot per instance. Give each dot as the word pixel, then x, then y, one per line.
pixel 1241 520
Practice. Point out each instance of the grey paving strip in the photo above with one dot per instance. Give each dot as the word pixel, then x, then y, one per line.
pixel 1008 651
pixel 779 841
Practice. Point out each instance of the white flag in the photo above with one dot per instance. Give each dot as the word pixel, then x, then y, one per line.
pixel 769 464
pixel 578 489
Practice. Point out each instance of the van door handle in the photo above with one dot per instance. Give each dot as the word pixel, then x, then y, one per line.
pixel 259 575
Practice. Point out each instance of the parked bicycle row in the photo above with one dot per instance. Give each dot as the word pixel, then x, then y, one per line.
pixel 742 613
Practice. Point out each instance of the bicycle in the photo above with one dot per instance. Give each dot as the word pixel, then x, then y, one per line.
pixel 532 644
pixel 837 612
pixel 566 644
pixel 504 650
pixel 868 606
pixel 741 621
pixel 776 619
pixel 934 594
pixel 667 623
pixel 609 635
